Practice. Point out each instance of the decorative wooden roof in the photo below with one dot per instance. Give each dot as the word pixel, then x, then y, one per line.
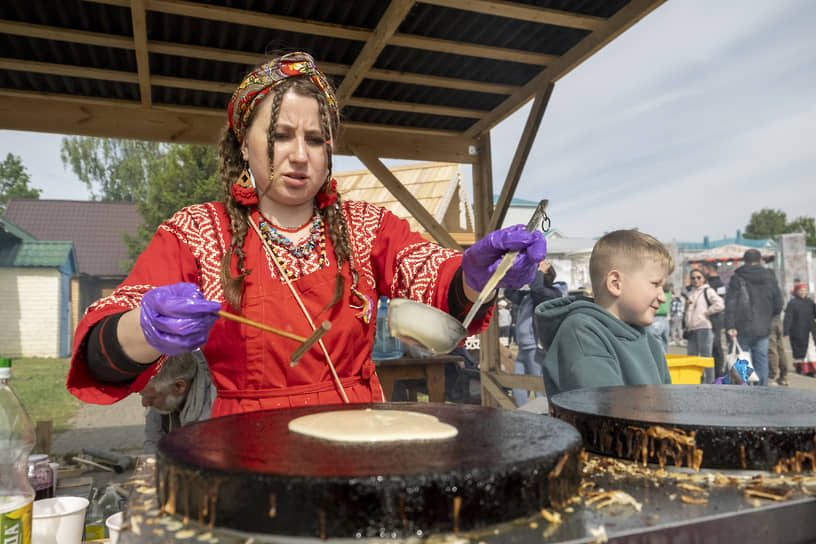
pixel 438 187
pixel 418 80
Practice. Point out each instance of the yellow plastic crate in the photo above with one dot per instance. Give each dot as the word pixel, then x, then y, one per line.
pixel 687 369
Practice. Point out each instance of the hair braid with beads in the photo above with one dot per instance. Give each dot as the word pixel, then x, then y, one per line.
pixel 231 166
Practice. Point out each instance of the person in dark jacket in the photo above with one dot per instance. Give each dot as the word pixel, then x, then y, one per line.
pixel 528 358
pixel 800 329
pixel 751 301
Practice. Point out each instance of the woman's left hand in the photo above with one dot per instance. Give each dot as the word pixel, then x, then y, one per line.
pixel 481 259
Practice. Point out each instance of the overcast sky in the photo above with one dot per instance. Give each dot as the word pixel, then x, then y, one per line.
pixel 701 113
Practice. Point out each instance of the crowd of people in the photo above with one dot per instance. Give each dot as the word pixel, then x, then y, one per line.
pixel 705 315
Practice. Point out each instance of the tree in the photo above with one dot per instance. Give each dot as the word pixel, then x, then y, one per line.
pixel 806 225
pixel 768 223
pixel 184 175
pixel 14 181
pixel 159 178
pixel 112 169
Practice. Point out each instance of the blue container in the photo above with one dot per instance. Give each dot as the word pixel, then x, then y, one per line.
pixel 385 345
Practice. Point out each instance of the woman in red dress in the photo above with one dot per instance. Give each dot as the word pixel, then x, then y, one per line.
pixel 285 250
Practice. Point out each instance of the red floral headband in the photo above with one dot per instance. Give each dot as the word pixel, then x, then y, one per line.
pixel 258 84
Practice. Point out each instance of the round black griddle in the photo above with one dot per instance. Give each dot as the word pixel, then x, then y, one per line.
pixel 713 426
pixel 249 472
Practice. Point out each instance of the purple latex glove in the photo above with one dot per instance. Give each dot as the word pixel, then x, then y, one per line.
pixel 177 318
pixel 481 259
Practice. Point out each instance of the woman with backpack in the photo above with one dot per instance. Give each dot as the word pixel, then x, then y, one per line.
pixel 702 302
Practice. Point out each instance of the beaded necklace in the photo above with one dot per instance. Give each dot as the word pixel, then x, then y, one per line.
pixel 275 238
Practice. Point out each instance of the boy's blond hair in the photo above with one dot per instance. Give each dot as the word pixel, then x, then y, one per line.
pixel 625 249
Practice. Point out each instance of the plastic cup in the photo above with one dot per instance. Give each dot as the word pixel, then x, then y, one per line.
pixel 59 520
pixel 114 523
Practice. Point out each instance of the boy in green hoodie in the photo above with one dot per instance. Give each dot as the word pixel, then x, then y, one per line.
pixel 604 342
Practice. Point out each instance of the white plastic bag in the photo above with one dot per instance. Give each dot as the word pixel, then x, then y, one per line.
pixel 737 354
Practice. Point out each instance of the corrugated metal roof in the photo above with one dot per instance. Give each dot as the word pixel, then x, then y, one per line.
pixel 36 254
pixel 95 228
pixel 164 70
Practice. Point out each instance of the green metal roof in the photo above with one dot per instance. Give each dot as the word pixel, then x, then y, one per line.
pixel 37 254
pixel 14 230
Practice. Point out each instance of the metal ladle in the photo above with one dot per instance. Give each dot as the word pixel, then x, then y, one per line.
pixel 434 331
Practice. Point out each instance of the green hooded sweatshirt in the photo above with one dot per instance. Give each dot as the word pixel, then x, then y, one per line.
pixel 589 347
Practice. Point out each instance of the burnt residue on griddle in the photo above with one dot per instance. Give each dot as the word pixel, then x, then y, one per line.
pixel 605 419
pixel 504 465
pixel 799 461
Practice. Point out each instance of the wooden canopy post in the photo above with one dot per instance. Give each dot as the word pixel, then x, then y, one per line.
pixel 525 144
pixel 494 379
pixel 492 394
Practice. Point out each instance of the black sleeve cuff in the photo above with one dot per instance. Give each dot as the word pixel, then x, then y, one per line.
pixel 106 360
pixel 458 304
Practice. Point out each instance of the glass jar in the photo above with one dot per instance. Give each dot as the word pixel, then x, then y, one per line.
pixel 40 476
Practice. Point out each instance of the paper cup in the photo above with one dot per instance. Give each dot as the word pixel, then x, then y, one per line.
pixel 60 520
pixel 114 523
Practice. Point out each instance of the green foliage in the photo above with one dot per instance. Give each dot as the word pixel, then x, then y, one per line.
pixel 184 175
pixel 112 169
pixel 14 181
pixel 40 384
pixel 806 225
pixel 159 178
pixel 768 223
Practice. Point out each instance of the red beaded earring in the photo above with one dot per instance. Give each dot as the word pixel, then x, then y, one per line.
pixel 327 195
pixel 243 191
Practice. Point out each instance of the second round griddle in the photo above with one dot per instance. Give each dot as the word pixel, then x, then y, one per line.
pixel 734 427
pixel 249 472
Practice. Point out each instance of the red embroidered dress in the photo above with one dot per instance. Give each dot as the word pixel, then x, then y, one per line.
pixel 250 368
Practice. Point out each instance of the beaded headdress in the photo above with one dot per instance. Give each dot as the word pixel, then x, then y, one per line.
pixel 257 85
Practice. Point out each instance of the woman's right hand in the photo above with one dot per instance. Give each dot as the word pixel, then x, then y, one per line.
pixel 176 318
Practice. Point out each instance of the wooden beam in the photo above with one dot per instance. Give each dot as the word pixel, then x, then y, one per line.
pixel 195 84
pixel 519 381
pixel 139 19
pixel 471 49
pixel 612 28
pixel 515 10
pixel 414 107
pixel 388 24
pixel 482 186
pixel 437 81
pixel 246 17
pixel 108 118
pixel 526 141
pixel 489 352
pixel 387 178
pixel 60 34
pixel 67 70
pixel 111 118
pixel 492 393
pixel 408 143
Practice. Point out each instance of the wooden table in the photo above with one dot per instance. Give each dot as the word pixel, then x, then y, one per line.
pixel 430 369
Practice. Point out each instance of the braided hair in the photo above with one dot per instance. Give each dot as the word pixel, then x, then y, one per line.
pixel 231 165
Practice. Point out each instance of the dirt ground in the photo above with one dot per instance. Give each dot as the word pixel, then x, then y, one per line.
pixel 119 427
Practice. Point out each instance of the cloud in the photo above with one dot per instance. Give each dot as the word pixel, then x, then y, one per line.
pixel 682 134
